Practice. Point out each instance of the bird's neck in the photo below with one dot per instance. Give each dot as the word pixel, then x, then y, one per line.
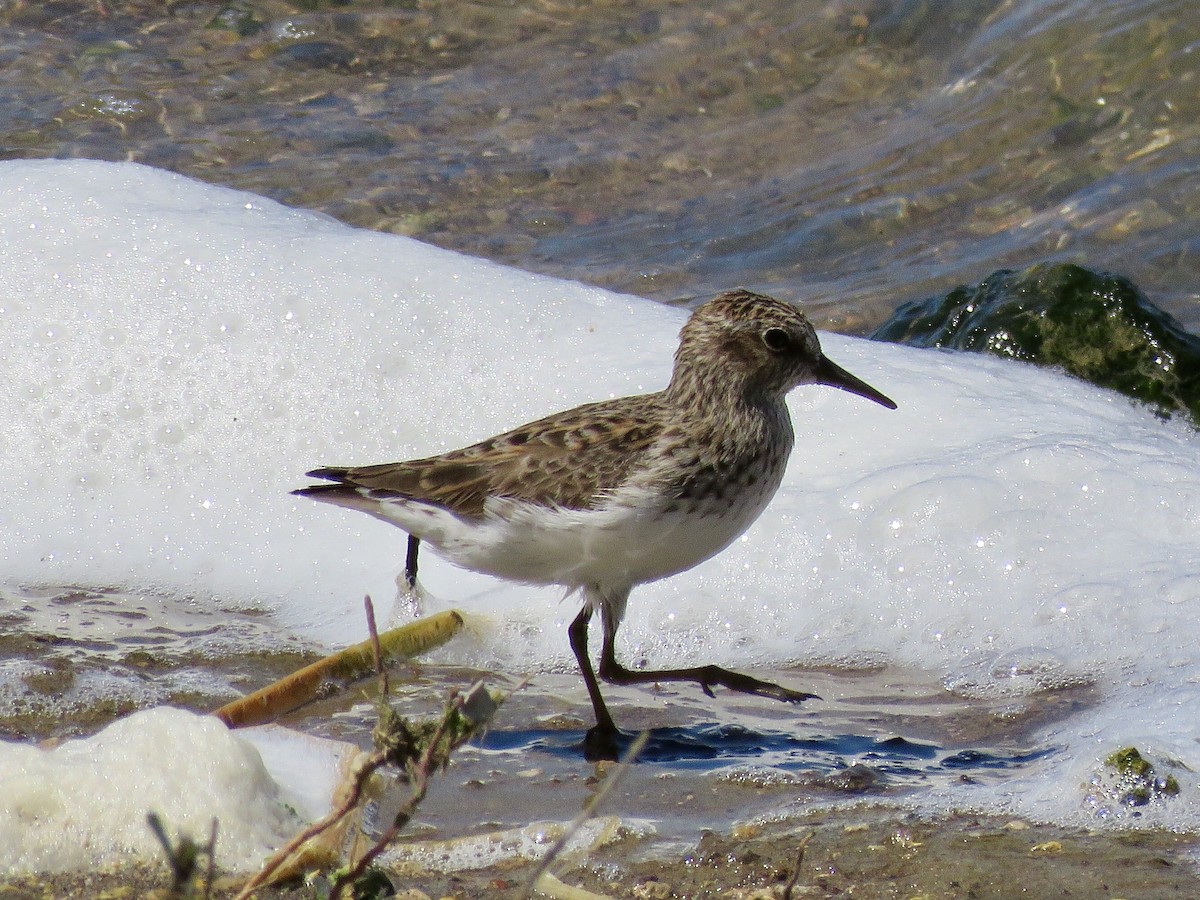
pixel 725 403
pixel 715 387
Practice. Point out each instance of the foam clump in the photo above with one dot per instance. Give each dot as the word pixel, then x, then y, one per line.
pixel 85 802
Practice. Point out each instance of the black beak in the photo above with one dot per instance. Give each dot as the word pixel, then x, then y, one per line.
pixel 832 374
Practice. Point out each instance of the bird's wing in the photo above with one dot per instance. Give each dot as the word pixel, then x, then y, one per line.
pixel 570 459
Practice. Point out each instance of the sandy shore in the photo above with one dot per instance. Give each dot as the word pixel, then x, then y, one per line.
pixel 868 853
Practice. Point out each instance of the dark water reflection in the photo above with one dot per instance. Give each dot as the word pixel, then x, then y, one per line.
pixel 852 763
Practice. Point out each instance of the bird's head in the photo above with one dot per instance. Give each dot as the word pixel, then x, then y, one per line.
pixel 759 345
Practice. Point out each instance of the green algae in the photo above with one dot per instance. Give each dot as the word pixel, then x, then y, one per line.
pixel 1138 784
pixel 1094 325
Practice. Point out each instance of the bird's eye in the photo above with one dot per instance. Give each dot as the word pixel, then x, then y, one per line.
pixel 776 339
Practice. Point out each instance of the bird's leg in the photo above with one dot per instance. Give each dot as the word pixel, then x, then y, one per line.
pixel 705 676
pixel 600 742
pixel 410 561
pixel 410 598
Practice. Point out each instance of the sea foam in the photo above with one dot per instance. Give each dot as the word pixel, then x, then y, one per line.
pixel 177 355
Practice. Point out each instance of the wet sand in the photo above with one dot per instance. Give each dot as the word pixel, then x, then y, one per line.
pixel 863 853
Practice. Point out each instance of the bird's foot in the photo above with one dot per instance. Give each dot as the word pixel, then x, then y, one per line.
pixel 601 743
pixel 707 676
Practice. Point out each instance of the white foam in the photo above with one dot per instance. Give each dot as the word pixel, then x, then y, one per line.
pixel 530 842
pixel 177 355
pixel 85 802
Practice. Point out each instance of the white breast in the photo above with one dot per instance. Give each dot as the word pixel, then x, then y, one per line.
pixel 632 539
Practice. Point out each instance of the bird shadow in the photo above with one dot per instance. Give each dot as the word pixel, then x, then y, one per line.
pixel 710 746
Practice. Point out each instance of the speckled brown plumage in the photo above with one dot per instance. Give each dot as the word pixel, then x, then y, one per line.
pixel 538 463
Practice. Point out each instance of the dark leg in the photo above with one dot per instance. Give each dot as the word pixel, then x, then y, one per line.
pixel 600 742
pixel 410 562
pixel 705 676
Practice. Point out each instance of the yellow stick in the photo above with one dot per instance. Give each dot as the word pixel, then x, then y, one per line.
pixel 269 703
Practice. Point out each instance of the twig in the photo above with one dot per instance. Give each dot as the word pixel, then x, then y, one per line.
pixel 396 744
pixel 156 826
pixel 373 633
pixel 348 665
pixel 375 761
pixel 639 744
pixel 184 857
pixel 787 891
pixel 211 871
pixel 419 775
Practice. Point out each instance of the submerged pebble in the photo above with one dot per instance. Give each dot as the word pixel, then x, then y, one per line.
pixel 316 55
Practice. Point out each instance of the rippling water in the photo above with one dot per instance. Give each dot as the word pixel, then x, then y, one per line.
pixel 852 155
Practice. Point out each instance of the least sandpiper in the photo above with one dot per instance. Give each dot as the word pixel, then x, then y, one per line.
pixel 610 495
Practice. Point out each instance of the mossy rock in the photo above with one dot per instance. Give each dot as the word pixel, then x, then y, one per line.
pixel 239 17
pixel 1093 325
pixel 1137 783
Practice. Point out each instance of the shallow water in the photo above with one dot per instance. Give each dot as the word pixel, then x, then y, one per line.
pixel 849 155
pixel 75 660
pixel 876 736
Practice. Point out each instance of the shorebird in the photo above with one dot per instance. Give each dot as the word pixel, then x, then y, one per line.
pixel 610 495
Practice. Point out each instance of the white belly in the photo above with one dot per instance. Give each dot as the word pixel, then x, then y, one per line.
pixel 630 541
